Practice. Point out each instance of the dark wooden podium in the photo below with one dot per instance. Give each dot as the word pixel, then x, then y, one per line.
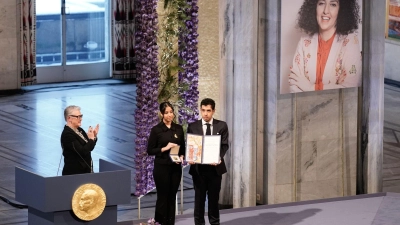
pixel 49 199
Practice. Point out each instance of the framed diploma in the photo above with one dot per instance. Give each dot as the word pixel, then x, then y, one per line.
pixel 203 149
pixel 174 154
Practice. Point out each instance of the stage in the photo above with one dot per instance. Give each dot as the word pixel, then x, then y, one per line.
pixel 371 209
pixel 32 142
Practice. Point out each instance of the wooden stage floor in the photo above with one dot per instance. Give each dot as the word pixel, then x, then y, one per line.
pixel 30 129
pixel 371 209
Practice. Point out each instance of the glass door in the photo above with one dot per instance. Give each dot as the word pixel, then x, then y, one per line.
pixel 72 40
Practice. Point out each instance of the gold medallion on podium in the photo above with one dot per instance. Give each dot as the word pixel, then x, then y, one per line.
pixel 88 202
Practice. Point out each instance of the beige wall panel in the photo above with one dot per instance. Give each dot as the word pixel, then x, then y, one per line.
pixel 9 29
pixel 208 50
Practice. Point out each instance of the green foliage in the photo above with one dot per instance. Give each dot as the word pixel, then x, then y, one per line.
pixel 172 25
pixel 166 3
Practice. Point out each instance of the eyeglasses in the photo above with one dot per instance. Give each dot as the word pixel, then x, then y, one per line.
pixel 78 116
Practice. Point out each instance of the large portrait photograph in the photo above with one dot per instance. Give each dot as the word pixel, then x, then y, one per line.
pixel 393 20
pixel 321 44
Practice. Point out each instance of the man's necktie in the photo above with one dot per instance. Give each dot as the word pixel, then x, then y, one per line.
pixel 208 131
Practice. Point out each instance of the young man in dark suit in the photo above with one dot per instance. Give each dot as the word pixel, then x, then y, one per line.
pixel 207 178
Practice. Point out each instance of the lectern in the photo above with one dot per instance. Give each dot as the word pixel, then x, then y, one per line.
pixel 49 199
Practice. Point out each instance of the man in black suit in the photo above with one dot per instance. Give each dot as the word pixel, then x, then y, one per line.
pixel 207 178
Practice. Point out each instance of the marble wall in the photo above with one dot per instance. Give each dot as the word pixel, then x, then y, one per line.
pixel 316 146
pixel 226 88
pixel 371 133
pixel 308 143
pixel 313 138
pixel 9 45
pixel 238 44
pixel 309 140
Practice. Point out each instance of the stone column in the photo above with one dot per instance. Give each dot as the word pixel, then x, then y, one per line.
pixel 263 58
pixel 271 62
pixel 370 156
pixel 239 59
pixel 226 89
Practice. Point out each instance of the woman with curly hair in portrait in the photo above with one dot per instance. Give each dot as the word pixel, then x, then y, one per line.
pixel 328 56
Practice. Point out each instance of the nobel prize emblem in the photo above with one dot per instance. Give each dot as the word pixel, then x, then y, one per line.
pixel 88 202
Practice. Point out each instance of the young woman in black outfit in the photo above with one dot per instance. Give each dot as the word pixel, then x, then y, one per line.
pixel 166 173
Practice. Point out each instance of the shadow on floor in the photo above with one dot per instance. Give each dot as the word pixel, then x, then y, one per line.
pixel 274 218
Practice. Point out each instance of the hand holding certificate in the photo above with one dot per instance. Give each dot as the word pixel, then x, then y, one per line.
pixel 203 149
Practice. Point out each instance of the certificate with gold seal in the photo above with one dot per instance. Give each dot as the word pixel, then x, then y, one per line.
pixel 88 202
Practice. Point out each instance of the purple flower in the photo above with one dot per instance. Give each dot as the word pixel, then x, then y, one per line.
pixel 152 221
pixel 189 55
pixel 146 50
pixel 147 84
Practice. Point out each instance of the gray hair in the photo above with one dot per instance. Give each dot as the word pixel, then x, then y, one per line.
pixel 69 110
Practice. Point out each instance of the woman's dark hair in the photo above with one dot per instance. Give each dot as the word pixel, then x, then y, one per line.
pixel 347 19
pixel 164 105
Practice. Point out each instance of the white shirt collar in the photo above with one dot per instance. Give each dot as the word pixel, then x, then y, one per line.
pixel 204 122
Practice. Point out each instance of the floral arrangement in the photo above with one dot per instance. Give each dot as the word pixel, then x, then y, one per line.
pixel 152 222
pixel 189 77
pixel 172 23
pixel 147 88
pixel 179 60
pixel 174 78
